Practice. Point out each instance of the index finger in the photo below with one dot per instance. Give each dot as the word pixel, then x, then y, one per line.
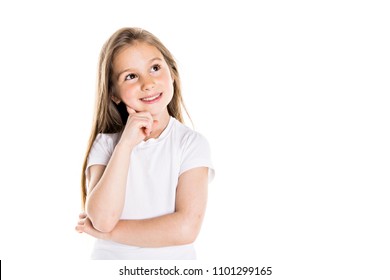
pixel 130 110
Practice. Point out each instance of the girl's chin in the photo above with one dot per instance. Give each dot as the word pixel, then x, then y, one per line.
pixel 159 114
pixel 155 112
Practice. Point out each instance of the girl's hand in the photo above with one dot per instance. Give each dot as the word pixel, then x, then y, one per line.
pixel 138 127
pixel 85 225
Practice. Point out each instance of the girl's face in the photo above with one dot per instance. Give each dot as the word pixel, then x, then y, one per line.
pixel 142 79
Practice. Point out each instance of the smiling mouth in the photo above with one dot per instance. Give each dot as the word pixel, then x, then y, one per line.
pixel 151 98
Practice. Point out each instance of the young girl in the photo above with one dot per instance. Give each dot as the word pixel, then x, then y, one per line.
pixel 145 174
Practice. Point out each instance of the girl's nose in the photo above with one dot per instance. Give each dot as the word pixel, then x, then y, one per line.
pixel 148 83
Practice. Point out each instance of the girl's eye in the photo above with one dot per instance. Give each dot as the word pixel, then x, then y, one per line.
pixel 155 68
pixel 130 77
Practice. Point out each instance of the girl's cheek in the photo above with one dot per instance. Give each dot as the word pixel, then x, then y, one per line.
pixel 126 92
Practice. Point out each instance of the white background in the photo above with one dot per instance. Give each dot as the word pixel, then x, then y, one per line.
pixel 293 97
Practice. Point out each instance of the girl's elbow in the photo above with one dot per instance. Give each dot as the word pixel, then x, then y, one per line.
pixel 102 223
pixel 189 233
pixel 189 239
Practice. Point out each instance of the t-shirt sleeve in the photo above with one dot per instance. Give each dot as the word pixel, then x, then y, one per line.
pixel 101 150
pixel 197 153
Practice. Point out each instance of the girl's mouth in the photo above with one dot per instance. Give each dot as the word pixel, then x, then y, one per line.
pixel 152 98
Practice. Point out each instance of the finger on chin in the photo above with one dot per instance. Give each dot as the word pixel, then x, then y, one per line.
pixel 130 110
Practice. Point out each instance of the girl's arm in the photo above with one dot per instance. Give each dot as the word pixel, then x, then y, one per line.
pixel 178 228
pixel 107 185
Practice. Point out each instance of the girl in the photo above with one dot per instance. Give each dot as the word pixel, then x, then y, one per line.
pixel 145 174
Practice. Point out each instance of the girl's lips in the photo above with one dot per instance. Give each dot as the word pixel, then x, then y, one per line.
pixel 152 99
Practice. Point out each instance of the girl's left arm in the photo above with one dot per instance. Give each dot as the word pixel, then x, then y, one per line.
pixel 179 228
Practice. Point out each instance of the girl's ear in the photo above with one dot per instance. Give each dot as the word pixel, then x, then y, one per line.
pixel 115 99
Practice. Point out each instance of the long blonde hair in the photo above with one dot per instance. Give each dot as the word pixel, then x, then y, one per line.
pixel 109 117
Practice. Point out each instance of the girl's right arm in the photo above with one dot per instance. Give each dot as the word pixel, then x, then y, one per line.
pixel 107 184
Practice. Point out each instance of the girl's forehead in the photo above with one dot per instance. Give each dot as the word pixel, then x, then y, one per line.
pixel 138 50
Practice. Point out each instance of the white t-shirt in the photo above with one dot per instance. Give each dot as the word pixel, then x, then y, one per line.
pixel 155 167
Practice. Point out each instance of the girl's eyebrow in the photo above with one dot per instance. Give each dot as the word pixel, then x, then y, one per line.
pixel 130 69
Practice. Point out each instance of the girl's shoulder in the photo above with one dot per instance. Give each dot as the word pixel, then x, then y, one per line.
pixel 109 140
pixel 187 135
pixel 108 136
